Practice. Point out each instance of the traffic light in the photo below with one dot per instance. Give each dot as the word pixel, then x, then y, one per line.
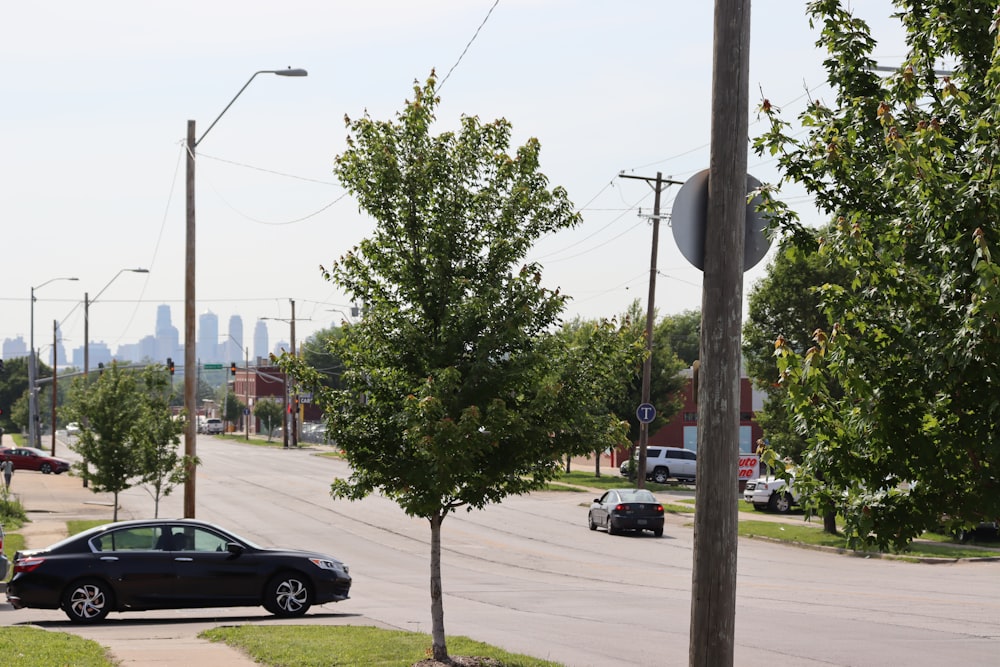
pixel 170 365
pixel 232 368
pixel 100 368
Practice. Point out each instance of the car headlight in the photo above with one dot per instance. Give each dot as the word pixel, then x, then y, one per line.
pixel 327 564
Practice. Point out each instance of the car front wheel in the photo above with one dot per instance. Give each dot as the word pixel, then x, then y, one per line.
pixel 87 601
pixel 46 468
pixel 781 502
pixel 590 522
pixel 661 475
pixel 288 595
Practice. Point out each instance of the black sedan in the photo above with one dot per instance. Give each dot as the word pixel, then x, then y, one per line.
pixel 161 564
pixel 626 509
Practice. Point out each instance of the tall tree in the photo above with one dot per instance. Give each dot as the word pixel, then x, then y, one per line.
pixel 456 393
pixel 682 334
pixel 786 304
pixel 901 388
pixel 317 351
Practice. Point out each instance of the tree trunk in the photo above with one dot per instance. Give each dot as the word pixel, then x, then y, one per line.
pixel 440 648
pixel 597 463
pixel 830 522
pixel 115 519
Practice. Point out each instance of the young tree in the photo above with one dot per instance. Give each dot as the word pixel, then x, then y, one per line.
pixel 901 386
pixel 457 393
pixel 108 411
pixel 157 436
pixel 268 411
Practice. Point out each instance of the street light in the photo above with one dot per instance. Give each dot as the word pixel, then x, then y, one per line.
pixel 33 372
pixel 87 301
pixel 190 377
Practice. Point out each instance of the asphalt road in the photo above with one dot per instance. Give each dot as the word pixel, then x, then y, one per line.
pixel 527 575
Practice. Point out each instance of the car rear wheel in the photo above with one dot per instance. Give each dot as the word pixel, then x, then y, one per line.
pixel 87 601
pixel 658 532
pixel 46 468
pixel 611 527
pixel 661 475
pixel 288 595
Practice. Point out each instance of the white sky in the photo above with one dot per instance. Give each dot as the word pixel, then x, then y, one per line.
pixel 96 98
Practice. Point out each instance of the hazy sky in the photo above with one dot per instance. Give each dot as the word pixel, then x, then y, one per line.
pixel 97 96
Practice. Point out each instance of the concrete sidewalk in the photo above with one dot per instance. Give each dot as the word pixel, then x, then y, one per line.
pixel 52 500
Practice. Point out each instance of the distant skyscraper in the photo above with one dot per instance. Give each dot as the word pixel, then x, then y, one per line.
pixel 16 347
pixel 61 360
pixel 234 342
pixel 167 338
pixel 281 346
pixel 259 340
pixel 208 338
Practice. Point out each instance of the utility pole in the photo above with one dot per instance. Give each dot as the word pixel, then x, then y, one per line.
pixel 246 392
pixel 55 373
pixel 295 396
pixel 713 591
pixel 658 184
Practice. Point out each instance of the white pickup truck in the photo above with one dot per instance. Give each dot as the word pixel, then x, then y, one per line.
pixel 770 493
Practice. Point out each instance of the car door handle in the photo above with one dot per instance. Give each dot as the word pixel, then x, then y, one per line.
pixel 109 558
pixel 184 559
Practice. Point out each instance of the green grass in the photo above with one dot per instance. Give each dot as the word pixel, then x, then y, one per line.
pixel 349 646
pixel 32 647
pixel 812 534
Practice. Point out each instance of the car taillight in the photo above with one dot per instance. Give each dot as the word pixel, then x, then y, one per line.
pixel 620 508
pixel 27 564
pixel 659 508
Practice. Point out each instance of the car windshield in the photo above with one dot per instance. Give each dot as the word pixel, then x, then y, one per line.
pixel 636 496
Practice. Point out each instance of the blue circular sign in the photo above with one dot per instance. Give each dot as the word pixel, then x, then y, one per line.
pixel 645 413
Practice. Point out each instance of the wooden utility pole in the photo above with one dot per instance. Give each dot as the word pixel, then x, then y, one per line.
pixel 647 366
pixel 713 591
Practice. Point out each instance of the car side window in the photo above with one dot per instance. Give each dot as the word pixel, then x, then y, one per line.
pixel 140 538
pixel 204 540
pixel 653 453
pixel 673 455
pixel 690 455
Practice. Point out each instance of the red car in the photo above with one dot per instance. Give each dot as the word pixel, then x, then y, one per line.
pixel 32 458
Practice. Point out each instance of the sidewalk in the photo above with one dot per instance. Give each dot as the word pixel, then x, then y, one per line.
pixel 52 500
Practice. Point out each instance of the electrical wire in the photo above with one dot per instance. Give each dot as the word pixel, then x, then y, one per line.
pixel 462 55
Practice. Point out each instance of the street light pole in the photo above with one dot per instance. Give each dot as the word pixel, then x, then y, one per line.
pixel 87 301
pixel 190 377
pixel 33 434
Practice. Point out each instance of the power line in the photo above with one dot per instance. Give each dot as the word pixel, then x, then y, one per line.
pixel 441 85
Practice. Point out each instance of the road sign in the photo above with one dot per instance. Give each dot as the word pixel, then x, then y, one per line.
pixel 246 411
pixel 213 367
pixel 645 413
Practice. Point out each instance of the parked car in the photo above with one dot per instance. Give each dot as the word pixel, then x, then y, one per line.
pixel 213 426
pixel 32 458
pixel 72 428
pixel 770 493
pixel 626 509
pixel 4 563
pixel 662 463
pixel 171 564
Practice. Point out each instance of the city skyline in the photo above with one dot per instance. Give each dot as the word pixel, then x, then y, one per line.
pixel 164 343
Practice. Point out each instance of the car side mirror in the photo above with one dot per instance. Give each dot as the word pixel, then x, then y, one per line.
pixel 234 548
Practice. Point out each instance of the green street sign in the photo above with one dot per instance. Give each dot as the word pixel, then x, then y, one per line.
pixel 213 367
